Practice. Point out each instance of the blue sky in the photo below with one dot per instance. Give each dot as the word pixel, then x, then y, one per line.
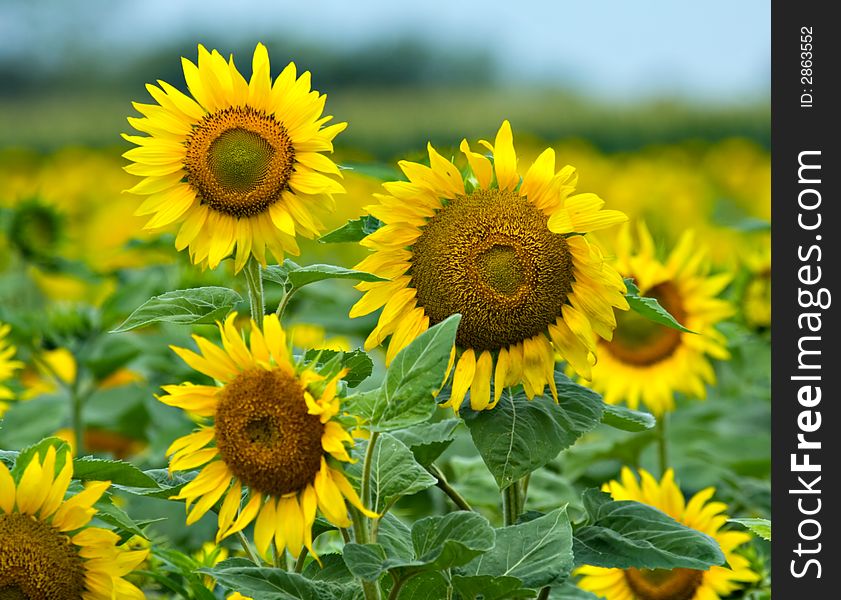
pixel 717 50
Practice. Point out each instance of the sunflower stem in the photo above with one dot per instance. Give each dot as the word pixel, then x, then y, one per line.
pixel 662 444
pixel 254 279
pixel 544 593
pixel 78 424
pixel 247 547
pixel 284 302
pixel 445 487
pixel 299 562
pixel 365 490
pixel 511 504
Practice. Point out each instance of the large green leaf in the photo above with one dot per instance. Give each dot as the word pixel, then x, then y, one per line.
pixel 569 591
pixel 352 231
pixel 293 276
pixel 623 534
pixel 416 373
pixel 394 472
pixel 621 417
pixel 538 552
pixel 488 587
pixel 185 307
pixel 650 308
pixel 33 420
pixel 262 583
pixel 438 543
pixel 39 449
pixel 520 435
pixel 428 440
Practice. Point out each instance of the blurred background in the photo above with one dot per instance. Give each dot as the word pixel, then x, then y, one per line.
pixel 664 108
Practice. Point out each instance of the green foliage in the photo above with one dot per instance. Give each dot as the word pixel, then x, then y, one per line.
pixel 352 231
pixel 537 552
pixel 760 527
pixel 622 417
pixel 625 534
pixel 293 276
pixel 428 440
pixel 406 396
pixel 650 308
pixel 184 307
pixel 520 435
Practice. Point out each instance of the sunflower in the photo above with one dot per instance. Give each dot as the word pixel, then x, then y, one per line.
pixel 756 294
pixel 239 164
pixel 273 434
pixel 47 549
pixel 649 362
pixel 677 584
pixel 510 255
pixel 8 366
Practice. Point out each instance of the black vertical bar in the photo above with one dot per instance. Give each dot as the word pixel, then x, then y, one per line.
pixel 805 400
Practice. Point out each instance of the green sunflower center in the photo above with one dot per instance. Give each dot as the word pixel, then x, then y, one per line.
pixel 265 434
pixel 37 561
pixel 642 342
pixel 490 256
pixel 661 584
pixel 239 160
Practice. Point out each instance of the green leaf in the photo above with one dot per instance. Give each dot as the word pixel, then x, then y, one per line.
pixel 428 440
pixel 623 534
pixel 570 591
pixel 621 417
pixel 438 543
pixel 394 472
pixel 115 471
pixel 538 552
pixel 452 540
pixel 166 484
pixel 117 517
pixel 424 586
pixel 366 561
pixel 416 373
pixel 185 307
pixel 352 231
pixel 357 361
pixel 650 308
pixel 40 449
pixel 760 527
pixel 293 276
pixel 520 435
pixel 488 587
pixel 332 568
pixel 274 584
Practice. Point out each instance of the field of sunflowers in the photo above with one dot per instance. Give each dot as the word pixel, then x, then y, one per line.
pixel 241 358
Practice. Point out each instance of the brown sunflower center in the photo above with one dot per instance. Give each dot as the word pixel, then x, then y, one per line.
pixel 490 256
pixel 265 434
pixel 37 562
pixel 661 584
pixel 642 342
pixel 239 160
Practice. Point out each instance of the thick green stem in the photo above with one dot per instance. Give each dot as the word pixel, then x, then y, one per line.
pixel 284 302
pixel 299 563
pixel 361 531
pixel 511 504
pixel 544 593
pixel 247 547
pixel 365 489
pixel 445 487
pixel 662 444
pixel 395 589
pixel 76 421
pixel 254 279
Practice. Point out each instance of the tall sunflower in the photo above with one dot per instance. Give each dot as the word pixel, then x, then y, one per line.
pixel 510 255
pixel 239 164
pixel 701 514
pixel 647 362
pixel 47 549
pixel 274 435
pixel 8 366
